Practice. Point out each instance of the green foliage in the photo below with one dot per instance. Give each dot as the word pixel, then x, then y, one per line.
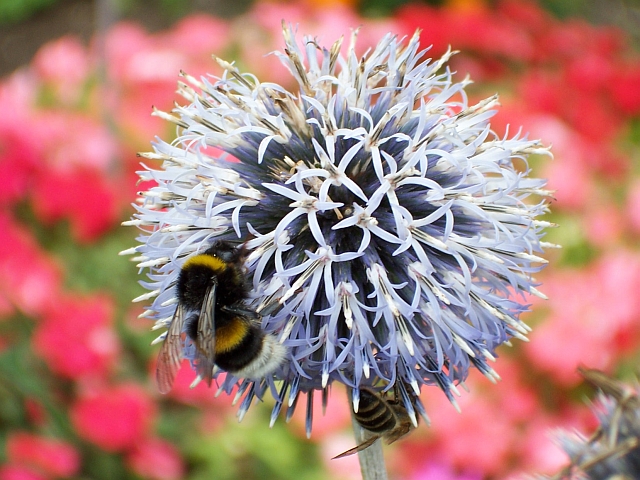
pixel 251 450
pixel 13 11
pixel 576 250
pixel 383 8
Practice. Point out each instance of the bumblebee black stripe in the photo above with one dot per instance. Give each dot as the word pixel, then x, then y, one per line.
pixel 238 350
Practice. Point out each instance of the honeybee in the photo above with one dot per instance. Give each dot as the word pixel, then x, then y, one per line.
pixel 211 290
pixel 385 418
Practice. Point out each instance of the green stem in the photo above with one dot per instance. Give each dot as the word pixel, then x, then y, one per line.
pixel 371 459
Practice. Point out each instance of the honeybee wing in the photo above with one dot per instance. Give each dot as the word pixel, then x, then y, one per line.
pixel 205 341
pixel 170 355
pixel 358 448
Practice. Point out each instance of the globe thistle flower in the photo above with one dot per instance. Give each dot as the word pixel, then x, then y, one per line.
pixel 390 231
pixel 613 451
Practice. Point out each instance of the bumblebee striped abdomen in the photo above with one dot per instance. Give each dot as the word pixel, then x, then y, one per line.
pixel 238 342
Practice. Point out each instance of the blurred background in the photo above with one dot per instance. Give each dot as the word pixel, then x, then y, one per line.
pixel 78 82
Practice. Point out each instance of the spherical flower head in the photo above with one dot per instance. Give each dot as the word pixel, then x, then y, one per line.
pixel 391 233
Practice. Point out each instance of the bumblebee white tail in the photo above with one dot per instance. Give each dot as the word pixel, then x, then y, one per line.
pixel 271 356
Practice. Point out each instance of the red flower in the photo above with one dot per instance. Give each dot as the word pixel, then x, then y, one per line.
pixel 19 472
pixel 76 338
pixel 115 418
pixel 35 411
pixel 156 459
pixel 74 178
pixel 84 196
pixel 467 28
pixel 625 89
pixel 542 91
pixel 18 158
pixel 20 153
pixel 54 457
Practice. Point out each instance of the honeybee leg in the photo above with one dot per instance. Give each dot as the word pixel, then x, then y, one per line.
pixel 358 448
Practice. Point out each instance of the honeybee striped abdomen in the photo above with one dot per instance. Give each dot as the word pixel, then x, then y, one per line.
pixel 383 417
pixel 374 413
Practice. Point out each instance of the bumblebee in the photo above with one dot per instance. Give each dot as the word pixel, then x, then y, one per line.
pixel 383 417
pixel 212 314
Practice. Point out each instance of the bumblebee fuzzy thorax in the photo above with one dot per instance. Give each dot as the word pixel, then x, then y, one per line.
pixel 215 264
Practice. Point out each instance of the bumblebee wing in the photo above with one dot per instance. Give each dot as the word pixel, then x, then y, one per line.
pixel 358 448
pixel 242 310
pixel 170 355
pixel 205 341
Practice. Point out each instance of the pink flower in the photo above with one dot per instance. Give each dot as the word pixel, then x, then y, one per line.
pixel 632 211
pixel 201 395
pixel 29 278
pixel 433 470
pixel 538 451
pixel 18 94
pixel 539 89
pixel 482 435
pixel 50 456
pixel 528 15
pixel 593 319
pixel 156 459
pixel 336 417
pixel 574 38
pixel 570 181
pixel 593 117
pixel 590 73
pixel 328 23
pixel 19 472
pixel 604 225
pixel 121 42
pixel 114 418
pixel 346 468
pixel 73 141
pixel 64 65
pixel 76 338
pixel 200 35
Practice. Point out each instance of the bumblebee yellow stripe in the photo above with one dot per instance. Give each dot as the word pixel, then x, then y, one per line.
pixel 230 335
pixel 202 260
